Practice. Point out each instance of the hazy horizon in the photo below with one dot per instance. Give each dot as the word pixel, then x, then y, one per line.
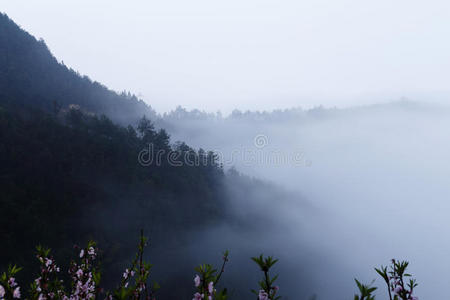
pixel 252 55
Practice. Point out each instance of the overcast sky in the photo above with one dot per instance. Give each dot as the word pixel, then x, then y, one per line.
pixel 250 54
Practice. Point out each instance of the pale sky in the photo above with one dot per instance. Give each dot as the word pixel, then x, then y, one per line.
pixel 250 54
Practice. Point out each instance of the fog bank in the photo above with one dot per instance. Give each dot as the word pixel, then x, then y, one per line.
pixel 373 182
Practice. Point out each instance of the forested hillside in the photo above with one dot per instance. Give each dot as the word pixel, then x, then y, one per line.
pixel 67 179
pixel 70 171
pixel 31 75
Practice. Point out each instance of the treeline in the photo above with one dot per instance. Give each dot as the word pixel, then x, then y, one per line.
pixel 296 114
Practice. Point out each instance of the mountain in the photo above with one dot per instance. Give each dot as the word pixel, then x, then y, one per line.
pixel 70 170
pixel 31 75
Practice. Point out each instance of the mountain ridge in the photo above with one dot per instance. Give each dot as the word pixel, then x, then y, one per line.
pixel 50 85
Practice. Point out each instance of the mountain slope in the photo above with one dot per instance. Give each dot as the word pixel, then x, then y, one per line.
pixel 69 174
pixel 31 75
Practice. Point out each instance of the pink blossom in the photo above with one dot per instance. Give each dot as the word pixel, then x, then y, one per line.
pixel 79 273
pixel 81 253
pixel 2 291
pixel 132 273
pixel 12 282
pixel 276 288
pixel 197 280
pixel 91 251
pixel 211 287
pixel 263 295
pixel 198 296
pixel 48 262
pixel 398 289
pixel 16 293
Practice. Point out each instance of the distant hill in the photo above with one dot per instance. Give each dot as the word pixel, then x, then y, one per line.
pixel 31 75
